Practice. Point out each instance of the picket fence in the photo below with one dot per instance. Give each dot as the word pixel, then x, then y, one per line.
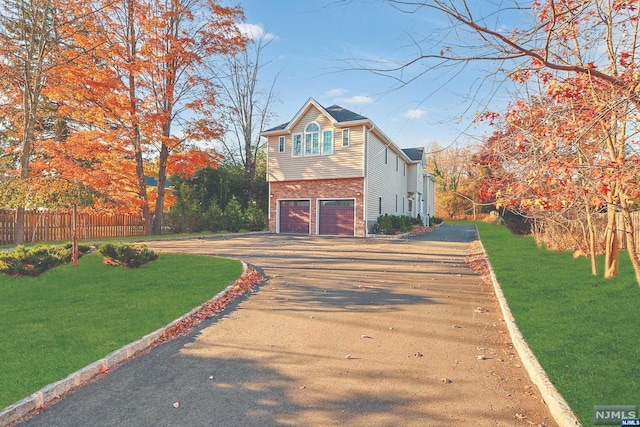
pixel 46 226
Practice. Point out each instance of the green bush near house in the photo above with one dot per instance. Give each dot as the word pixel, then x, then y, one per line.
pixel 232 218
pixel 433 221
pixel 254 219
pixel 394 224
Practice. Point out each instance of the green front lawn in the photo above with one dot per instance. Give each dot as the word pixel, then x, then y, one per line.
pixel 67 318
pixel 584 330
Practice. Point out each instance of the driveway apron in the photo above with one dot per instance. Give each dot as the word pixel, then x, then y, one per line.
pixel 344 331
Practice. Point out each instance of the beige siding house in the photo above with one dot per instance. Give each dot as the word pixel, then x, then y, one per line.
pixel 333 172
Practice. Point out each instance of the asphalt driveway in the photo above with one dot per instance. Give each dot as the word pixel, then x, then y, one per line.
pixel 345 331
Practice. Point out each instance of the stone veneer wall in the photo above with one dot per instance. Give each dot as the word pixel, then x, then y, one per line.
pixel 350 188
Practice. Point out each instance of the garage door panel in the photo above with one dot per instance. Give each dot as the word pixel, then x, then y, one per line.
pixel 337 217
pixel 295 216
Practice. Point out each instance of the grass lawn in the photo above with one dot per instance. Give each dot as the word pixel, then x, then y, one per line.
pixel 67 318
pixel 584 330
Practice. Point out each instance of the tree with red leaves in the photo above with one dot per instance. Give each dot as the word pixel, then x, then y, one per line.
pixel 583 51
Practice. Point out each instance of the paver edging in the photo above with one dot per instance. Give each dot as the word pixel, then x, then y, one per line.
pixel 50 393
pixel 559 408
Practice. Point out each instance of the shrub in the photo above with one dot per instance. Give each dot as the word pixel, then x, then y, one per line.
pixel 36 260
pixel 212 220
pixel 385 224
pixel 254 219
pixel 126 254
pixel 231 219
pixel 434 221
pixel 392 224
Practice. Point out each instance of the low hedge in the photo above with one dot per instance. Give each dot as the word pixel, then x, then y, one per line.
pixel 33 261
pixel 126 254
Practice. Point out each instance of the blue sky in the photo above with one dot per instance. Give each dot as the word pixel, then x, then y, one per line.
pixel 317 44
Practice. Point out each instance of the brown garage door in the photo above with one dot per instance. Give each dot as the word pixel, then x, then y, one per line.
pixel 337 217
pixel 294 216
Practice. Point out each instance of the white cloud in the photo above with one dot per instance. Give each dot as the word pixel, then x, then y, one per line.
pixel 255 32
pixel 358 99
pixel 414 114
pixel 336 92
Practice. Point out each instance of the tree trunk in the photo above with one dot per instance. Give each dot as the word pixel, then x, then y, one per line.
pixel 591 238
pixel 132 53
pixel 611 244
pixel 629 232
pixel 74 236
pixel 158 217
pixel 18 231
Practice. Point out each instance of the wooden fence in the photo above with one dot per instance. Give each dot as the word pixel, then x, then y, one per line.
pixel 46 226
pixel 635 218
pixel 563 237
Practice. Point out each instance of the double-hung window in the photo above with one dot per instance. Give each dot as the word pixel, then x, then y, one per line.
pixel 345 137
pixel 296 151
pixel 312 139
pixel 327 142
pixel 281 144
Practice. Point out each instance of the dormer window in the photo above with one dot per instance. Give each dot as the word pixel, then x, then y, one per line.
pixel 312 139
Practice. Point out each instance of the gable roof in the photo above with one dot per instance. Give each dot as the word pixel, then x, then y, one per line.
pixel 340 115
pixel 343 115
pixel 414 154
pixel 279 127
pixel 336 113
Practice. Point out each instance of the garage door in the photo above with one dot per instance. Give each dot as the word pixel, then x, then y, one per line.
pixel 337 217
pixel 294 216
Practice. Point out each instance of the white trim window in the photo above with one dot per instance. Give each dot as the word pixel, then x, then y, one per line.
pixel 281 144
pixel 345 137
pixel 312 139
pixel 327 142
pixel 296 150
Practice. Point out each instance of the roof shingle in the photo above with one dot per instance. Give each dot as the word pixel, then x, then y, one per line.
pixel 414 154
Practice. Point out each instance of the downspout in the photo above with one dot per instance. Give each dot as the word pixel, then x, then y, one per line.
pixel 365 166
pixel 269 196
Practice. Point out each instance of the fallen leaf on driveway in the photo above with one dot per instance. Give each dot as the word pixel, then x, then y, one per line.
pixel 176 404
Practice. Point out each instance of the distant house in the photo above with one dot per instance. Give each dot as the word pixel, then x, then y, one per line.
pixel 334 172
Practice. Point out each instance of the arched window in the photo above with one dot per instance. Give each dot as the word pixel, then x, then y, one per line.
pixel 312 139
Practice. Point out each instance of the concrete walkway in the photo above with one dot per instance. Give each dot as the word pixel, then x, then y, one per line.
pixel 351 332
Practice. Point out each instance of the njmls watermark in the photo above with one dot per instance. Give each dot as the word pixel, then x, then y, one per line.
pixel 619 415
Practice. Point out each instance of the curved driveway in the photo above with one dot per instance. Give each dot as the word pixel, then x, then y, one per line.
pixel 345 331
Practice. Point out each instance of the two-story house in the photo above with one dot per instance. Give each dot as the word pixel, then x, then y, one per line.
pixel 334 172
